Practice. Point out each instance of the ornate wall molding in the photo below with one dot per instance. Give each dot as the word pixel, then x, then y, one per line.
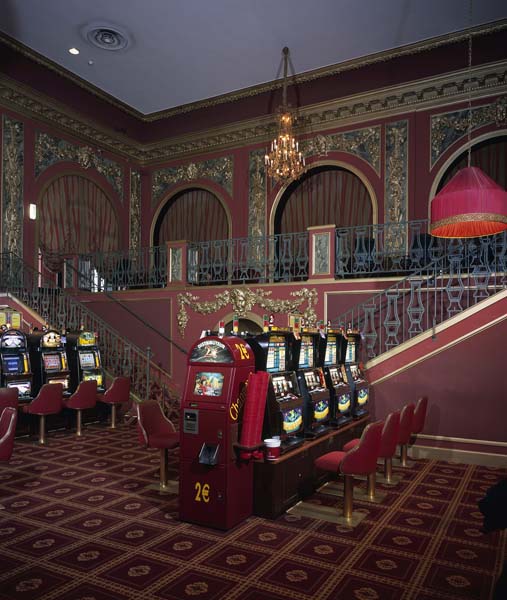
pixel 12 185
pixel 219 170
pixel 135 211
pixel 396 185
pixel 243 300
pixel 256 194
pixel 364 143
pixel 447 128
pixel 50 150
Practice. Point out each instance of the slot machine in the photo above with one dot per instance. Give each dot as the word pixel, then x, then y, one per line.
pixel 216 487
pixel 84 359
pixel 336 378
pixel 316 396
pixel 355 376
pixel 276 352
pixel 15 368
pixel 48 359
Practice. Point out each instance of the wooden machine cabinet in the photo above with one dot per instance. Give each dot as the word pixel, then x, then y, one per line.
pixel 280 483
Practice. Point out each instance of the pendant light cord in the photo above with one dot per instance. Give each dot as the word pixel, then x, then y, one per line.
pixel 469 124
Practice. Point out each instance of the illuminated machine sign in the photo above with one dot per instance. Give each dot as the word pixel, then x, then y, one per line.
pixel 24 387
pixel 212 351
pixel 331 350
pixel 51 339
pixel 86 338
pixel 13 339
pixel 276 360
pixel 12 364
pixel 306 356
pixel 292 420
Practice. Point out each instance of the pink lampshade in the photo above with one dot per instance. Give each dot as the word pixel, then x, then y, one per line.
pixel 470 205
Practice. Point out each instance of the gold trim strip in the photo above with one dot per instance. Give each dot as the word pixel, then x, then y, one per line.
pixel 468 218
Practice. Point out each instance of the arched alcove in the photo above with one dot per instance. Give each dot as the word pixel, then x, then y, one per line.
pixel 193 214
pixel 326 194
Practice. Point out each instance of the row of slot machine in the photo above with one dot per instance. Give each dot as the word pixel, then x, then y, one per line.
pixel 317 382
pixel 29 361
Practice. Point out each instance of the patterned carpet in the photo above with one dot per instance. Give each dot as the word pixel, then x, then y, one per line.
pixel 79 521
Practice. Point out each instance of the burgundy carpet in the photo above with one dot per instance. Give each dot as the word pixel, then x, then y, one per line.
pixel 78 521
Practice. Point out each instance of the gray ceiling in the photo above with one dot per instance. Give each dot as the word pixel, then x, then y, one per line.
pixel 182 51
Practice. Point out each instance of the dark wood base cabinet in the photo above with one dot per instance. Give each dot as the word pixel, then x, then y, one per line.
pixel 280 483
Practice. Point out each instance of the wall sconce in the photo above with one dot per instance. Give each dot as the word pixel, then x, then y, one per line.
pixel 32 212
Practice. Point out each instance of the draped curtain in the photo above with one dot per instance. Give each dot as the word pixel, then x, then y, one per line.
pixel 195 215
pixel 76 216
pixel 490 156
pixel 325 197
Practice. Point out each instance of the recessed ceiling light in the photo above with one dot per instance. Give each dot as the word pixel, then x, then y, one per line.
pixel 73 50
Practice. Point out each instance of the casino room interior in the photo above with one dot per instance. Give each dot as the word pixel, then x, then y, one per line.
pixel 253 292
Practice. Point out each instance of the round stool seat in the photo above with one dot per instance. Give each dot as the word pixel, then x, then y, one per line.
pixel 330 461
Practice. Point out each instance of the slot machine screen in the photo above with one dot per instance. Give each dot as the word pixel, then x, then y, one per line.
pixel 331 351
pixel 276 359
pixel 52 362
pixel 12 364
pixel 292 420
pixel 351 355
pixel 335 376
pixel 96 376
pixel 321 410
pixel 306 357
pixel 64 382
pixel 208 384
pixel 87 360
pixel 24 387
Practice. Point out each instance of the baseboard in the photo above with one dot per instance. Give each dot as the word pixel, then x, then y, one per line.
pixel 468 457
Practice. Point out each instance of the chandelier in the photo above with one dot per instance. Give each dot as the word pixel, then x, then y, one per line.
pixel 285 162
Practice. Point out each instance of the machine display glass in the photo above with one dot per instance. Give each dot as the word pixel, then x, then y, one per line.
pixel 24 387
pixel 52 362
pixel 292 420
pixel 208 383
pixel 87 360
pixel 331 353
pixel 64 382
pixel 12 364
pixel 212 351
pixel 87 338
pixel 306 356
pixel 350 357
pixel 12 339
pixel 276 359
pixel 51 339
pixel 96 376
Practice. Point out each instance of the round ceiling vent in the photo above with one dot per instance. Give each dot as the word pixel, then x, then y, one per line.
pixel 106 37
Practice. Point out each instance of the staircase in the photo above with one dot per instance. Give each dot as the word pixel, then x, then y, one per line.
pixel 58 309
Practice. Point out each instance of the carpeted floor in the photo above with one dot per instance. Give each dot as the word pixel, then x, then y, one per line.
pixel 78 521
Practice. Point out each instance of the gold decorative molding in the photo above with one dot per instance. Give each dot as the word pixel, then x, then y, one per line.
pixel 135 211
pixel 256 195
pixel 448 128
pixel 50 150
pixel 243 300
pixel 12 185
pixel 396 186
pixel 218 170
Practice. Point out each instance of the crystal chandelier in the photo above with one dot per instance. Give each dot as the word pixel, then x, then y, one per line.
pixel 285 162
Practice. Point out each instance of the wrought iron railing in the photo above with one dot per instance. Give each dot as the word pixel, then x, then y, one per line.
pixel 58 309
pixel 471 271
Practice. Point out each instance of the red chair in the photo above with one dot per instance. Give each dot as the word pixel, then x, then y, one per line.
pixel 405 431
pixel 9 397
pixel 359 460
pixel 8 419
pixel 49 401
pixel 84 397
pixel 117 393
pixel 419 418
pixel 157 432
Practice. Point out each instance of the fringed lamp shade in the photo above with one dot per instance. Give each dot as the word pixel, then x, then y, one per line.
pixel 470 205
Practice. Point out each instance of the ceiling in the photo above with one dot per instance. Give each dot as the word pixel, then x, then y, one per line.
pixel 184 51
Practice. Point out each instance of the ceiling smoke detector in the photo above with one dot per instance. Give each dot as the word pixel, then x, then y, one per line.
pixel 106 36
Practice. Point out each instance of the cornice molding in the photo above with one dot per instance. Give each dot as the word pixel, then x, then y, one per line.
pixel 350 65
pixel 451 88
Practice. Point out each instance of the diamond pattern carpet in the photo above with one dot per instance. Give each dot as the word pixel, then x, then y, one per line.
pixel 79 521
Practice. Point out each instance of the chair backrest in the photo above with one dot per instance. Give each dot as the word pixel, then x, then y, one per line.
pixel 48 401
pixel 362 459
pixel 85 396
pixel 9 397
pixel 118 391
pixel 152 421
pixel 390 435
pixel 406 418
pixel 8 419
pixel 419 415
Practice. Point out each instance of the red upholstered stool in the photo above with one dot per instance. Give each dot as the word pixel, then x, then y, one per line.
pixel 9 397
pixel 419 418
pixel 8 419
pixel 49 401
pixel 84 397
pixel 359 460
pixel 405 431
pixel 117 393
pixel 157 432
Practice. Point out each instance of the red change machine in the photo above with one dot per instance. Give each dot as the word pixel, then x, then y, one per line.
pixel 216 488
